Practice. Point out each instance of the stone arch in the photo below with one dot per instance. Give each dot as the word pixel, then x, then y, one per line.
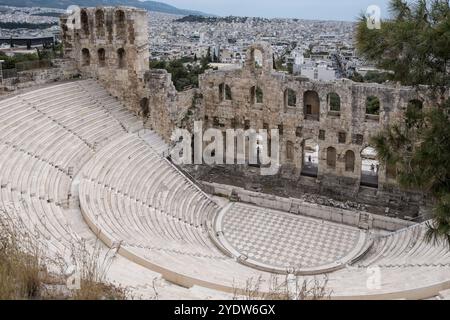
pixel 121 58
pixel 101 57
pixel 259 56
pixel 370 166
pixel 311 105
pixel 310 153
pixel 373 105
pixel 100 22
pixel 119 20
pixel 85 57
pixel 349 161
pixel 256 94
pixel 331 157
pixel 144 106
pixel 334 102
pixel 84 20
pixel 290 98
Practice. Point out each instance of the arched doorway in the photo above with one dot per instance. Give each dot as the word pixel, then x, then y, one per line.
pixel 310 158
pixel 311 103
pixel 84 22
pixel 101 57
pixel 370 167
pixel 85 57
pixel 349 161
pixel 100 23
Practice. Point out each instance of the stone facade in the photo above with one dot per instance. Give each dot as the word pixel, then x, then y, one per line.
pixel 111 45
pixel 61 70
pixel 338 118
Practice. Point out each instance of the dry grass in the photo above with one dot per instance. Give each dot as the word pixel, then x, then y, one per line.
pixel 24 269
pixel 287 288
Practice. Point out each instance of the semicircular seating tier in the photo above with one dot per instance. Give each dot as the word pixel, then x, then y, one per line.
pixel 74 138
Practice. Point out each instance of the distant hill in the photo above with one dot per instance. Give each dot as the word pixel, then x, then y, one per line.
pixel 63 4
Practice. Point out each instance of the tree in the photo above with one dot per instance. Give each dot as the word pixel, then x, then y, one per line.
pixel 420 150
pixel 415 45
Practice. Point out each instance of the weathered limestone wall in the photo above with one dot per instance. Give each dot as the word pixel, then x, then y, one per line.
pixel 111 44
pixel 341 135
pixel 356 218
pixel 62 69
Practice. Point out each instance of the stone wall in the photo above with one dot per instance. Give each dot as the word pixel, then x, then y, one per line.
pixel 303 110
pixel 111 44
pixel 61 70
pixel 355 218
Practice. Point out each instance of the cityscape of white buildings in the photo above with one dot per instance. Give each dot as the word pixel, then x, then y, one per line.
pixel 319 50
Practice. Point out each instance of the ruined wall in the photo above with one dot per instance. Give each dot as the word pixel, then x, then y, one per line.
pixel 303 111
pixel 111 45
pixel 61 70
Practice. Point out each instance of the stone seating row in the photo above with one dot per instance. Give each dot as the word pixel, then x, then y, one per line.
pixel 407 247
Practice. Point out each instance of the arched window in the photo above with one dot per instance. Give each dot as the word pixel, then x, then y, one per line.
pixel 119 19
pixel 311 103
pixel 121 58
pixel 100 22
pixel 373 106
pixel 334 102
pixel 257 95
pixel 257 58
pixel 350 161
pixel 289 151
pixel 290 98
pixel 331 157
pixel 84 21
pixel 144 107
pixel 228 95
pixel 101 57
pixel 85 57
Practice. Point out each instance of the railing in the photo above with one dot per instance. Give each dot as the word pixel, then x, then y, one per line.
pixel 9 73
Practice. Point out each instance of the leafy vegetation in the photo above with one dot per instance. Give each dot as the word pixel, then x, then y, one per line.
pixel 10 62
pixel 372 77
pixel 415 45
pixel 185 71
pixel 24 268
pixel 420 150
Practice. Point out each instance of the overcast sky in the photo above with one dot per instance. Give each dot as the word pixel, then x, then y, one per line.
pixel 346 10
